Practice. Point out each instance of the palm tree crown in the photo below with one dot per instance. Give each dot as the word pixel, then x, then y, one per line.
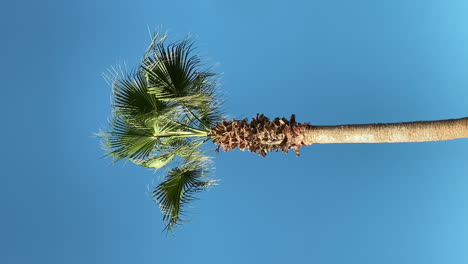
pixel 162 115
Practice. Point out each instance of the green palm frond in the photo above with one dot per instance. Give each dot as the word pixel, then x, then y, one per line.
pixel 171 67
pixel 128 140
pixel 184 148
pixel 130 95
pixel 178 189
pixel 163 113
pixel 176 77
pixel 210 114
pixel 157 162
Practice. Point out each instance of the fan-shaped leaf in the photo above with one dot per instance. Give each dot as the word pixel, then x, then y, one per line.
pixel 179 188
pixel 127 140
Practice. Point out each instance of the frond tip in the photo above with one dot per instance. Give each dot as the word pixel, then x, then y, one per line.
pixel 178 188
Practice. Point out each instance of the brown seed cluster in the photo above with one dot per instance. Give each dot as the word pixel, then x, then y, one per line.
pixel 260 135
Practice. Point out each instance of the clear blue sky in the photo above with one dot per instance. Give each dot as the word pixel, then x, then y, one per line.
pixel 329 62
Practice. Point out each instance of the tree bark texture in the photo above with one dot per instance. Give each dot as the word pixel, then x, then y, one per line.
pixel 263 135
pixel 419 131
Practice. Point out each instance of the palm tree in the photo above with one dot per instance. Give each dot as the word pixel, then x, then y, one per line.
pixel 167 109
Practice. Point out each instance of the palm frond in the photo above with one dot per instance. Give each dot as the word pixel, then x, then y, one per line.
pixel 178 188
pixel 127 140
pixel 171 67
pixel 176 77
pixel 156 162
pixel 210 114
pixel 130 95
pixel 183 148
pixel 162 114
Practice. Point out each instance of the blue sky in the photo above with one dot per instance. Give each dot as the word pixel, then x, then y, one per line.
pixel 328 62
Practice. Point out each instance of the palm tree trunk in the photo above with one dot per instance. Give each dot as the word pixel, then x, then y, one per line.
pixel 262 135
pixel 418 131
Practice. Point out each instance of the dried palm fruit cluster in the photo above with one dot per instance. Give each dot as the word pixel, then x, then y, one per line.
pixel 260 135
